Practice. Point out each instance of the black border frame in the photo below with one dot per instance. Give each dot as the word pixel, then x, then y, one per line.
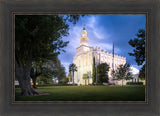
pixel 7 7
pixel 77 102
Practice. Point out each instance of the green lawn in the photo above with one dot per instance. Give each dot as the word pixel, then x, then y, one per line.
pixel 87 93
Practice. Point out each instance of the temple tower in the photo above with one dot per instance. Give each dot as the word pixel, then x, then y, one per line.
pixel 84 39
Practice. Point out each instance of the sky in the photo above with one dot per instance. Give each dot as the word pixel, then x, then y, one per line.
pixel 102 31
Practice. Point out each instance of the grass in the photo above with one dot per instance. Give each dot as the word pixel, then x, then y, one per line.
pixel 87 93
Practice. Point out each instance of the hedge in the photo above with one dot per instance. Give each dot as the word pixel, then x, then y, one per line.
pixel 134 83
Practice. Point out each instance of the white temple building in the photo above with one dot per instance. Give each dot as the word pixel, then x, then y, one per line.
pixel 84 60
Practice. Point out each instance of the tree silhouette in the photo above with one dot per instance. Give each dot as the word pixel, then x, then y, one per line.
pixel 102 73
pixel 138 44
pixel 123 72
pixel 72 68
pixel 93 71
pixel 37 37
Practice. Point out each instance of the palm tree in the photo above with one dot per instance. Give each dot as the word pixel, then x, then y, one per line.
pixel 69 77
pixel 72 68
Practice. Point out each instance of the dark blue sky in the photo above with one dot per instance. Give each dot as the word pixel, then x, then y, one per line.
pixel 102 31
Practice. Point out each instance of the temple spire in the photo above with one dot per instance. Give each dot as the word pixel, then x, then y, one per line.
pixel 84 39
pixel 84 27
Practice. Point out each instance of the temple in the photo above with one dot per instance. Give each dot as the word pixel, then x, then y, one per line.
pixel 84 60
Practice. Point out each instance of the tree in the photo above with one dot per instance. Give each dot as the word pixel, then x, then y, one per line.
pixel 37 37
pixel 44 80
pixel 102 73
pixel 142 73
pixel 85 77
pixel 93 71
pixel 113 74
pixel 60 72
pixel 64 80
pixel 47 69
pixel 48 72
pixel 123 72
pixel 69 77
pixel 138 44
pixel 72 68
pixel 36 71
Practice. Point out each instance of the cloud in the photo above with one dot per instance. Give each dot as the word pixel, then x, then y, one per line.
pixel 134 70
pixel 102 32
pixel 74 42
pixel 96 35
pixel 95 29
pixel 105 46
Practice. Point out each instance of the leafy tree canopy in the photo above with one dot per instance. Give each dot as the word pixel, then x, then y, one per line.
pixel 102 72
pixel 72 67
pixel 142 73
pixel 38 38
pixel 123 72
pixel 138 44
pixel 65 80
pixel 139 47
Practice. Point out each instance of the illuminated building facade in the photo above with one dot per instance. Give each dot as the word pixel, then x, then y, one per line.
pixel 84 60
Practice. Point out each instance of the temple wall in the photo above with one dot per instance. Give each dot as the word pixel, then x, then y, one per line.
pixel 84 62
pixel 84 59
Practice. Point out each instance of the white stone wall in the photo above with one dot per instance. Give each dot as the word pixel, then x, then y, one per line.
pixel 84 59
pixel 84 62
pixel 84 65
pixel 105 57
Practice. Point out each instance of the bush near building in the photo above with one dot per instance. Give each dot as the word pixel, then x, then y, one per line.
pixel 102 73
pixel 134 83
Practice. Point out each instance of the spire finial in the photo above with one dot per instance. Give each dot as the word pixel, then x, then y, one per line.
pixel 84 27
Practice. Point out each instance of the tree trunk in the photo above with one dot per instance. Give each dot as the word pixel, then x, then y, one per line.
pixel 69 79
pixel 73 78
pixel 23 75
pixel 122 82
pixel 34 82
pixel 88 81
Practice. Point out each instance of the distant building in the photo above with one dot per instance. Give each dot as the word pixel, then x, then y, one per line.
pixel 84 59
pixel 16 82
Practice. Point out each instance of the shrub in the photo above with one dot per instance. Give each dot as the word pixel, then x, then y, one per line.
pixel 59 84
pixel 98 84
pixel 17 86
pixel 65 80
pixel 134 83
pixel 111 83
